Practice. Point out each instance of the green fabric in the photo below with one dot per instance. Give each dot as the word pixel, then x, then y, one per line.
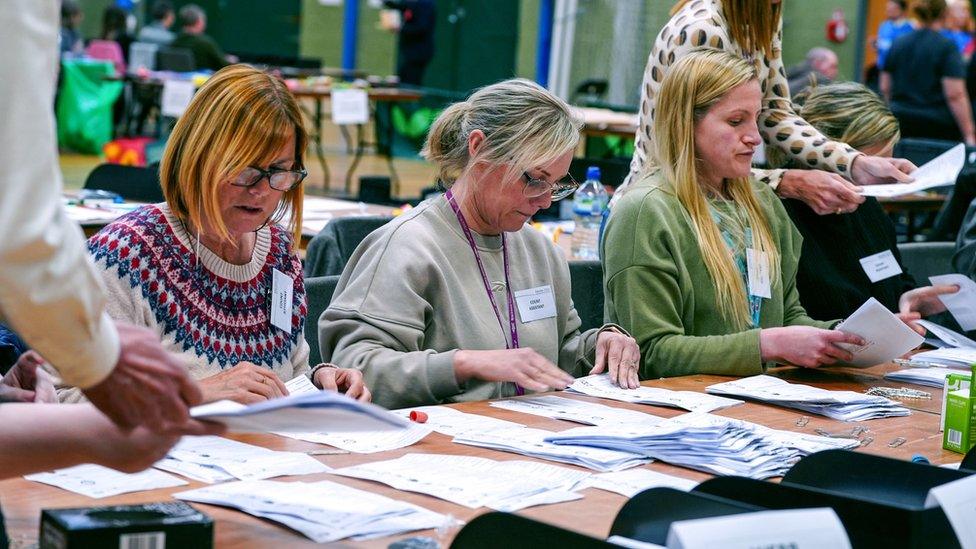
pixel 658 289
pixel 85 103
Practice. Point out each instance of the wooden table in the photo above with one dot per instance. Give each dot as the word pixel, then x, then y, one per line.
pixel 22 500
pixel 378 97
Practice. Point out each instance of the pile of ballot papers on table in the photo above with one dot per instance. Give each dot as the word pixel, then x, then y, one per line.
pixel 706 442
pixel 600 386
pixel 323 511
pixel 930 377
pixel 842 405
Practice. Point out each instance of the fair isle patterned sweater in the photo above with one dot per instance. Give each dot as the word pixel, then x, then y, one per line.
pixel 210 313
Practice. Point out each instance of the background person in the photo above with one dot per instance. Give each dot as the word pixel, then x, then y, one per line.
pixel 157 31
pixel 206 53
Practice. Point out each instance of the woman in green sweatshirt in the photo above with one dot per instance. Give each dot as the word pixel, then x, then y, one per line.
pixel 459 299
pixel 700 259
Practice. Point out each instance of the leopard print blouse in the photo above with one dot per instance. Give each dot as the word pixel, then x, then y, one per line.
pixel 702 24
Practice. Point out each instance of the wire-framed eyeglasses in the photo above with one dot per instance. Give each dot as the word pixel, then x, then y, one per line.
pixel 278 179
pixel 535 187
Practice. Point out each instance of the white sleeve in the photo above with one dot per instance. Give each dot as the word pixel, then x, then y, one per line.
pixel 49 290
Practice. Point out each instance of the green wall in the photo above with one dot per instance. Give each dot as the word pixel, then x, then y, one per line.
pixel 321 36
pixel 804 23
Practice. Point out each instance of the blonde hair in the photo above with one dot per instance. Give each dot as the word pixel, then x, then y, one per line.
pixel 844 111
pixel 240 117
pixel 751 23
pixel 524 125
pixel 691 87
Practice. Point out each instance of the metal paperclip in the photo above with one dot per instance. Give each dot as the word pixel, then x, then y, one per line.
pixel 858 431
pixel 828 434
pixel 898 441
pixel 867 440
pixel 802 422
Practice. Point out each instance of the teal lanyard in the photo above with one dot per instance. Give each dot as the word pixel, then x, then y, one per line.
pixel 755 302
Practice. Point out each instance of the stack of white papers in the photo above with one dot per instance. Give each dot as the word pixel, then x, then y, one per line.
pixel 962 357
pixel 96 481
pixel 323 511
pixel 600 386
pixel 632 482
pixel 930 377
pixel 473 481
pixel 706 442
pixel 578 411
pixel 941 170
pixel 946 337
pixel 451 422
pixel 366 442
pixel 842 405
pixel 325 411
pixel 533 443
pixel 886 336
pixel 215 459
pixel 962 304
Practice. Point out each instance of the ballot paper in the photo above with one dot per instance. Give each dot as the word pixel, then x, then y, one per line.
pixel 634 481
pixel 578 411
pixel 323 511
pixel 325 411
pixel 205 458
pixel 886 337
pixel 947 336
pixel 467 480
pixel 300 385
pixel 961 357
pixel 706 442
pixel 941 170
pixel 958 501
pixel 794 528
pixel 96 481
pixel 367 442
pixel 451 422
pixel 532 443
pixel 600 386
pixel 962 304
pixel 842 405
pixel 930 377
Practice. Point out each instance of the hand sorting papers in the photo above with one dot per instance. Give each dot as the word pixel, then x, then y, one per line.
pixel 215 459
pixel 96 481
pixel 886 336
pixel 842 405
pixel 578 411
pixel 326 411
pixel 473 481
pixel 706 442
pixel 961 304
pixel 600 386
pixel 941 170
pixel 323 511
pixel 533 443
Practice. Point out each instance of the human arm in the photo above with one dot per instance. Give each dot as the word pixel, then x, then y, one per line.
pixel 957 98
pixel 245 383
pixel 884 83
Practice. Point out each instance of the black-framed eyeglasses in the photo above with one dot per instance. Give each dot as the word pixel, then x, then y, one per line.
pixel 278 179
pixel 535 187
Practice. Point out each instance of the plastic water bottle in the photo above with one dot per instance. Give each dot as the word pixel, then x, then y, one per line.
pixel 589 202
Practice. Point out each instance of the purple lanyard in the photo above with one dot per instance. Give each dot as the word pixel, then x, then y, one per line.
pixel 512 326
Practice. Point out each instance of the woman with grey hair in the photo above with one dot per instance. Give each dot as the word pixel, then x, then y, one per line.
pixel 458 299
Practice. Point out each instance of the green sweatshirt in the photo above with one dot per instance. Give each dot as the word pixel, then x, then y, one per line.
pixel 658 289
pixel 411 296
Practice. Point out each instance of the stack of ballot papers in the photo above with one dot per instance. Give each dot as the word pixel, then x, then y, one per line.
pixel 323 511
pixel 930 377
pixel 944 337
pixel 473 481
pixel 842 405
pixel 533 443
pixel 326 411
pixel 600 386
pixel 96 481
pixel 215 459
pixel 706 442
pixel 961 357
pixel 577 411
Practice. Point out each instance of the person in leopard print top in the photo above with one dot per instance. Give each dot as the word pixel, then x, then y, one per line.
pixel 729 25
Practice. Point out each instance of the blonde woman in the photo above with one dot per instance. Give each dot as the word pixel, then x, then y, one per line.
pixel 701 259
pixel 458 299
pixel 205 269
pixel 752 30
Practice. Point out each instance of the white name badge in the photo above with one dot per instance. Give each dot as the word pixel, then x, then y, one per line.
pixel 797 528
pixel 281 289
pixel 535 303
pixel 880 266
pixel 958 502
pixel 757 263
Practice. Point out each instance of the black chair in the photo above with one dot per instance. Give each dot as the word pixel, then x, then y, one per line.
pixel 587 280
pixel 130 182
pixel 493 530
pixel 925 259
pixel 319 292
pixel 175 59
pixel 920 150
pixel 330 250
pixel 648 515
